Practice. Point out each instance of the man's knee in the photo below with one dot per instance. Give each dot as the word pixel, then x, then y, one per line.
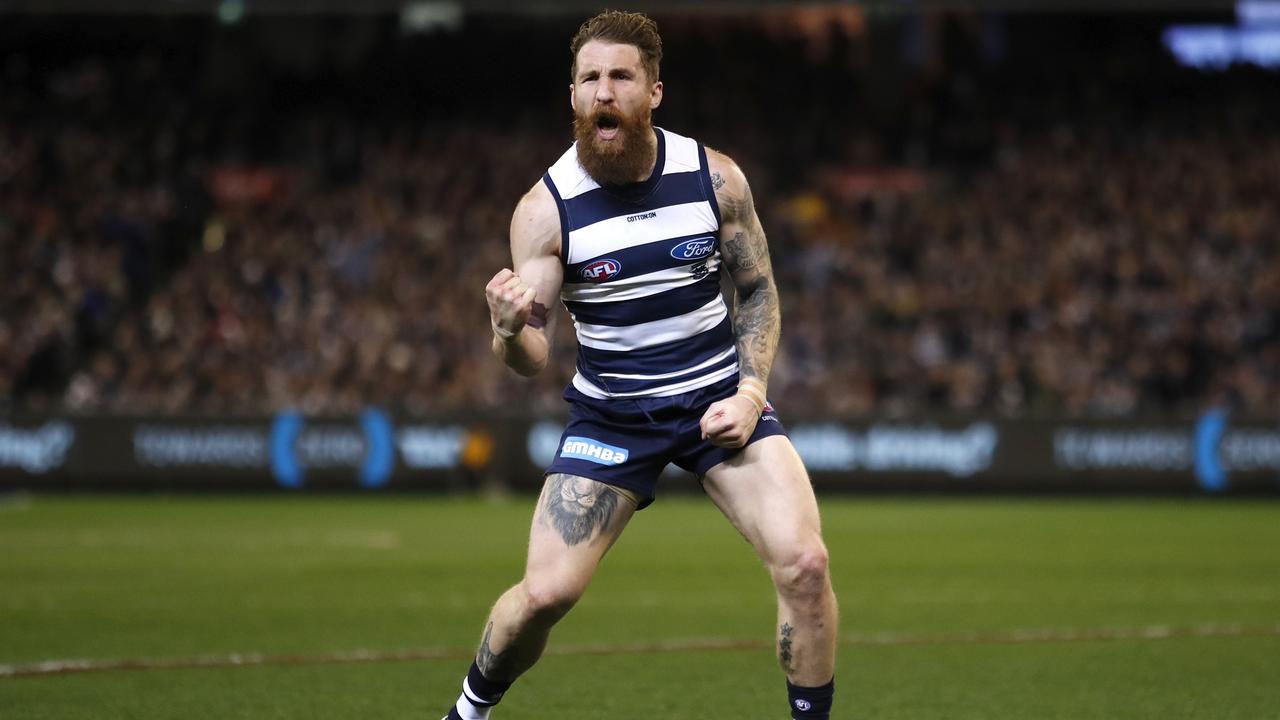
pixel 547 599
pixel 802 573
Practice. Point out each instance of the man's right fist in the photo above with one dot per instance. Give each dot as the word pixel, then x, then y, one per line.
pixel 510 302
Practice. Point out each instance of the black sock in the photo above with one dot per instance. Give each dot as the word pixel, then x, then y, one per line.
pixel 811 703
pixel 480 690
pixel 479 694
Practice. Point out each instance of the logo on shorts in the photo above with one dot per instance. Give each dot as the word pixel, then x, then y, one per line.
pixel 601 270
pixel 693 249
pixel 593 451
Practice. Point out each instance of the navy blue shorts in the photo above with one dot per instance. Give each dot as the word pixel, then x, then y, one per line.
pixel 628 442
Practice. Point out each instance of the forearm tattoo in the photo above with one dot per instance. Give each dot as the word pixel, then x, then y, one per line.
pixel 756 319
pixel 784 648
pixel 755 330
pixel 495 666
pixel 576 507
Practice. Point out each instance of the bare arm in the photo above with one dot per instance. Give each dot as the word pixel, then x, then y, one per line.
pixel 520 300
pixel 757 320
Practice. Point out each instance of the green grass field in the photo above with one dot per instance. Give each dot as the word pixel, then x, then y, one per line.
pixel 951 609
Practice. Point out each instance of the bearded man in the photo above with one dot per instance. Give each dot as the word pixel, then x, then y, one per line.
pixel 630 229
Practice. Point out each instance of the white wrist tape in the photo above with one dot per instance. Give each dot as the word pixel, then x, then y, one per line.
pixel 503 334
pixel 753 390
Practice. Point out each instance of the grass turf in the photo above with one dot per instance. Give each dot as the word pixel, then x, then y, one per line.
pixel 148 577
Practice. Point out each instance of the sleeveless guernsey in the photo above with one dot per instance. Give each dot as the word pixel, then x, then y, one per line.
pixel 641 276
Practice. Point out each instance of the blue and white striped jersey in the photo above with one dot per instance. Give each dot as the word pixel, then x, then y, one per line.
pixel 642 276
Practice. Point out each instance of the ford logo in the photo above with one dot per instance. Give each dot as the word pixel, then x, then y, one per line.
pixel 601 270
pixel 694 249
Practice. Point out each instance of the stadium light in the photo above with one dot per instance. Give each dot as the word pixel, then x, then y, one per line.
pixel 426 16
pixel 1258 12
pixel 1256 39
pixel 230 12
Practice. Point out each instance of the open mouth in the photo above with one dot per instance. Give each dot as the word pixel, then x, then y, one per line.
pixel 606 127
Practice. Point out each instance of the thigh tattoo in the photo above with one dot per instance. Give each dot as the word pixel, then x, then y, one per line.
pixel 576 507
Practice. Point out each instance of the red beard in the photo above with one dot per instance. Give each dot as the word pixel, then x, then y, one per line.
pixel 627 158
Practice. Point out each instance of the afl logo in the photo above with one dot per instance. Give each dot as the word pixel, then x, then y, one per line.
pixel 694 249
pixel 601 270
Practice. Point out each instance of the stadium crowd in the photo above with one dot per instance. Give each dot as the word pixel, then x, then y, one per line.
pixel 1076 251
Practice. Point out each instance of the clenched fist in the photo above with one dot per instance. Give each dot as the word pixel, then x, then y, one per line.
pixel 510 302
pixel 728 423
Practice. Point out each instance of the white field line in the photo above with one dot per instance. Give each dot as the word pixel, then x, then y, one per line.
pixel 991 637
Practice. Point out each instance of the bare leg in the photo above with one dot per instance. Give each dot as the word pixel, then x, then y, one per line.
pixel 766 494
pixel 575 523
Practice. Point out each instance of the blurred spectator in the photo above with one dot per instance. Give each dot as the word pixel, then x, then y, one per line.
pixel 1009 249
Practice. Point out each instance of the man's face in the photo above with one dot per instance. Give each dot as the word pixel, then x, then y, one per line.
pixel 613 101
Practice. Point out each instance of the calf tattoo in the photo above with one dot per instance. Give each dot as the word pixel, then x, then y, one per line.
pixel 576 507
pixel 784 647
pixel 495 666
